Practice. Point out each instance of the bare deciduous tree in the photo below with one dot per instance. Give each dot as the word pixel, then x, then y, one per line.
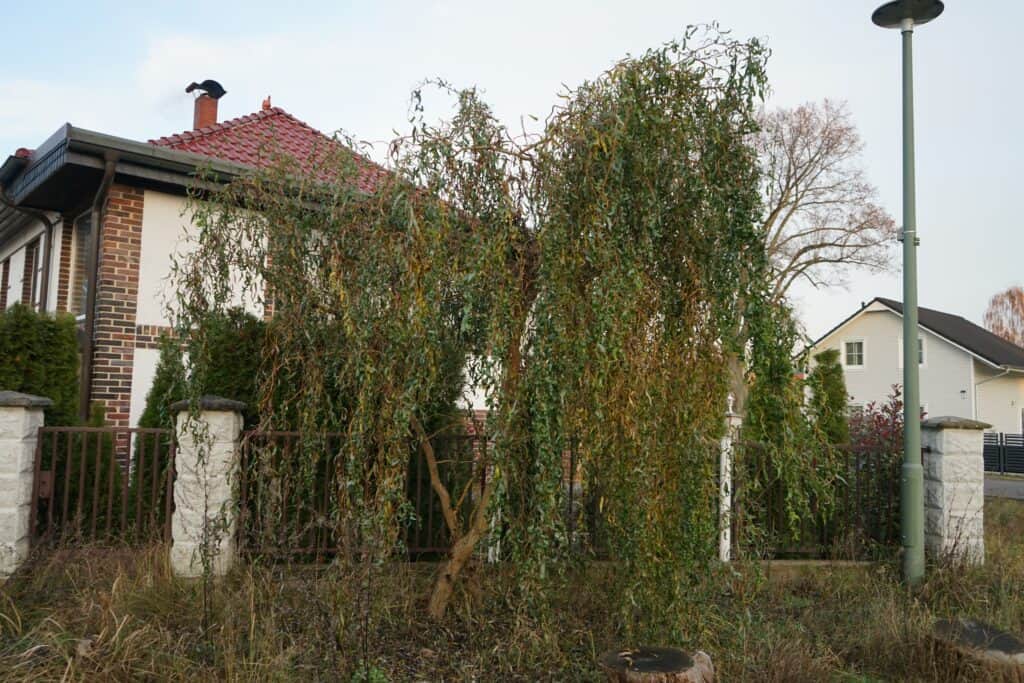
pixel 1005 315
pixel 821 218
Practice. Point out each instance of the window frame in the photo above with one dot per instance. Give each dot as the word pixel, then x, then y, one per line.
pixel 863 353
pixel 922 351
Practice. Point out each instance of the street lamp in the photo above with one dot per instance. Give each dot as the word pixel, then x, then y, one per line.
pixel 904 15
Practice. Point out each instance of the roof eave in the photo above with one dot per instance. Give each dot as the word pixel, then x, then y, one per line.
pixel 71 145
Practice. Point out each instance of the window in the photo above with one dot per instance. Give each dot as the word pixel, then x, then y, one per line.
pixel 853 355
pixel 82 239
pixel 920 351
pixel 30 275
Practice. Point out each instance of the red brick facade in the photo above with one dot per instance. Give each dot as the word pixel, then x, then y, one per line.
pixel 116 298
pixel 64 268
pixel 5 275
pixel 148 336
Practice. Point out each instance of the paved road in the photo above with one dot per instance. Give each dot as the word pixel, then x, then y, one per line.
pixel 1004 487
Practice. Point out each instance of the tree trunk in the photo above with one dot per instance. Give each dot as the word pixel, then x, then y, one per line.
pixel 738 382
pixel 462 552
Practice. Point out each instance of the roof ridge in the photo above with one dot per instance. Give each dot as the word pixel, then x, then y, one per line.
pixel 229 124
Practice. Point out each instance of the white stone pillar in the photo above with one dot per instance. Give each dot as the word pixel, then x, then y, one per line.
pixel 733 422
pixel 21 416
pixel 205 464
pixel 954 488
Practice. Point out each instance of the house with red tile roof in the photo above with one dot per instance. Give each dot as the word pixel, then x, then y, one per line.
pixel 89 223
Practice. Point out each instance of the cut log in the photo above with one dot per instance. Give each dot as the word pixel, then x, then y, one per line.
pixel 982 642
pixel 657 665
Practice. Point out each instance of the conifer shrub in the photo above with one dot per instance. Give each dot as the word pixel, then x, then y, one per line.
pixel 39 355
pixel 828 397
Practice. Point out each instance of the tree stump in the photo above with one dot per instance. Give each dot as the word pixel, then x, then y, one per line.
pixel 982 642
pixel 657 665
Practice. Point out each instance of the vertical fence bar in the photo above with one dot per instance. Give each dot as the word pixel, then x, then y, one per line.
pixel 154 486
pixel 84 455
pixel 244 462
pixel 126 476
pixel 96 484
pixel 140 468
pixel 54 450
pixel 110 491
pixel 169 493
pixel 36 468
pixel 67 478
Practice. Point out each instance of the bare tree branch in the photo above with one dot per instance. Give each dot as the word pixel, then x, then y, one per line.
pixel 821 216
pixel 1005 315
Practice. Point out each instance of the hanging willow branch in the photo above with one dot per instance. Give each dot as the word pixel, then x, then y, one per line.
pixel 587 280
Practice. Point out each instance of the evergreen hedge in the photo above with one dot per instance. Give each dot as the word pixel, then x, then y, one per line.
pixel 39 355
pixel 828 397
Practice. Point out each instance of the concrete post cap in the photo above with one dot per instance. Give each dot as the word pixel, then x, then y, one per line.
pixel 950 422
pixel 15 399
pixel 210 403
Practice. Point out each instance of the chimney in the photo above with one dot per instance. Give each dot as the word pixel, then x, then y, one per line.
pixel 205 112
pixel 206 104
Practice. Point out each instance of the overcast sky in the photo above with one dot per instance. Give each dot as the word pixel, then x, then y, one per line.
pixel 122 70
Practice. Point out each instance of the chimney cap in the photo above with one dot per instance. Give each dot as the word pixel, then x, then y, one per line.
pixel 209 87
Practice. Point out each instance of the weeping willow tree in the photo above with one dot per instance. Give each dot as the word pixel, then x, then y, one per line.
pixel 587 280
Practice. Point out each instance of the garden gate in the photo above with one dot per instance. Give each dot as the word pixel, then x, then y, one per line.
pixel 102 485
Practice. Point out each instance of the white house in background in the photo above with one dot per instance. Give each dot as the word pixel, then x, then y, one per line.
pixel 966 371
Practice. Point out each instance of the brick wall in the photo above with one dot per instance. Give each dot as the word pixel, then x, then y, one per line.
pixel 148 336
pixel 116 298
pixel 5 274
pixel 64 267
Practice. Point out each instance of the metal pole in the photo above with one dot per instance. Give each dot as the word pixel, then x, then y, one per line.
pixel 912 479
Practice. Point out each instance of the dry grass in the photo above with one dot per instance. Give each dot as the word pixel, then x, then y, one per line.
pixel 119 615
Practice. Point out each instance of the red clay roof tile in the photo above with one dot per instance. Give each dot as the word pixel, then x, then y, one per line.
pixel 257 139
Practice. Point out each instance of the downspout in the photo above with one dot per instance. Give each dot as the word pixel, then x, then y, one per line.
pixel 1005 372
pixel 44 290
pixel 99 205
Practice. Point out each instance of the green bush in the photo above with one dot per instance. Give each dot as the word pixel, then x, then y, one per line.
pixel 828 397
pixel 228 350
pixel 39 355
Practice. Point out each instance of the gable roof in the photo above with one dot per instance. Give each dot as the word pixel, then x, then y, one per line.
pixel 973 338
pixel 256 139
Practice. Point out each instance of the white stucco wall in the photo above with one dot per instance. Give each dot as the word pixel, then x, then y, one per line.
pixel 166 227
pixel 143 371
pixel 946 384
pixel 164 232
pixel 1000 399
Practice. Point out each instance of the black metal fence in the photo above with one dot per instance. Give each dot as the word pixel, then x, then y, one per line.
pixel 1004 453
pixel 860 523
pixel 289 505
pixel 102 485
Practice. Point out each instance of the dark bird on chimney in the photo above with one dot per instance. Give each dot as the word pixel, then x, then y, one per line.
pixel 210 87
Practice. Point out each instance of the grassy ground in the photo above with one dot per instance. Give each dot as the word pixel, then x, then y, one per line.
pixel 118 615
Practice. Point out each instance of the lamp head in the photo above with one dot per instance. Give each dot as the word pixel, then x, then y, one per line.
pixel 892 14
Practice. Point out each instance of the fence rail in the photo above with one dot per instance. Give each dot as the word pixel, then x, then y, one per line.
pixel 1004 453
pixel 289 504
pixel 861 522
pixel 102 484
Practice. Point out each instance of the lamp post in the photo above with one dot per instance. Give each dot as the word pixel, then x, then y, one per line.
pixel 904 15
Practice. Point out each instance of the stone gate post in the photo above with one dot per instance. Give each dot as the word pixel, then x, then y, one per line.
pixel 21 416
pixel 206 462
pixel 954 487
